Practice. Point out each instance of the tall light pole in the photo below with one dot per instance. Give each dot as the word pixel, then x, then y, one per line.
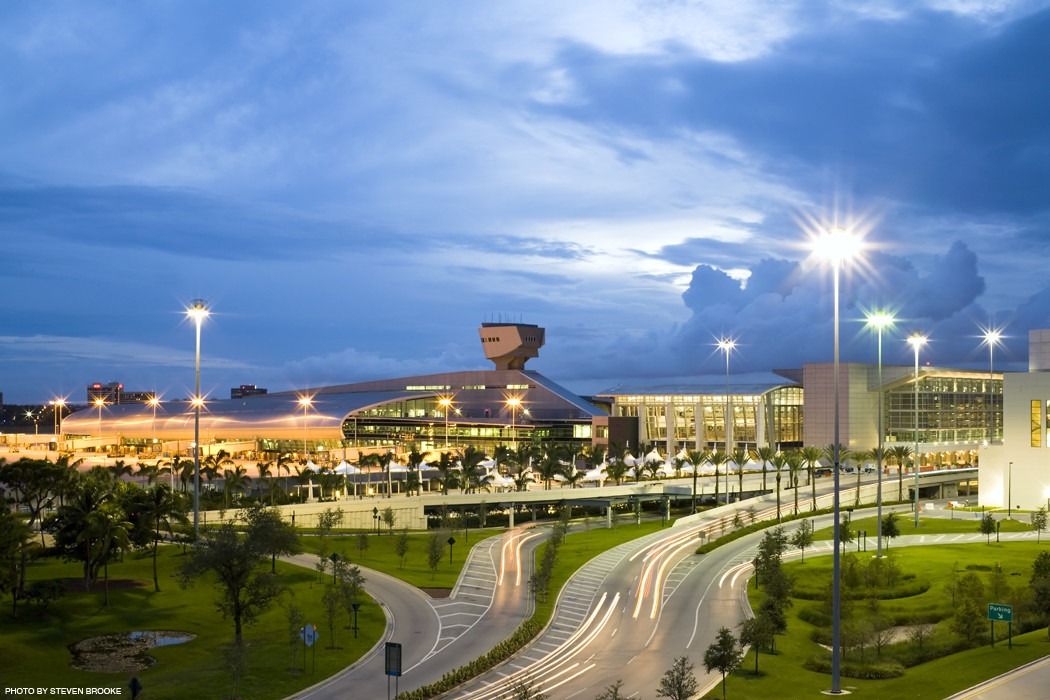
pixel 197 311
pixel 446 403
pixel 879 320
pixel 513 403
pixel 305 402
pixel 991 337
pixel 59 405
pixel 837 247
pixel 153 401
pixel 727 345
pixel 916 341
pixel 99 404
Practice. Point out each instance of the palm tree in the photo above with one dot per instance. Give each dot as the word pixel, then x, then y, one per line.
pixel 740 456
pixel 900 454
pixel 763 455
pixel 811 457
pixel 472 471
pixel 447 477
pixel 235 479
pixel 616 469
pixel 266 473
pixel 184 470
pixel 162 509
pixel 779 461
pixel 550 464
pixel 572 475
pixel 120 469
pixel 105 533
pixel 794 465
pixel 873 455
pixel 696 458
pixel 717 459
pixel 149 472
pixel 413 484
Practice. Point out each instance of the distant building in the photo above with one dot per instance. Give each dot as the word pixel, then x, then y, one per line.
pixel 113 393
pixel 244 390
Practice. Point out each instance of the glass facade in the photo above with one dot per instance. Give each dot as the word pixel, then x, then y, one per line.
pixel 950 409
pixel 1036 424
pixel 773 417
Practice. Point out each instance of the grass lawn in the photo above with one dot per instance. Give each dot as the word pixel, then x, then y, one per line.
pixel 33 647
pixel 928 526
pixel 381 555
pixel 933 569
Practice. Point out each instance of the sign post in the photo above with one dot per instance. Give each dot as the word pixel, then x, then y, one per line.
pixel 451 541
pixel 392 666
pixel 1001 613
pixel 309 634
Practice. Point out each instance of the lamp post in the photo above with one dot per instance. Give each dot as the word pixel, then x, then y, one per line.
pixel 197 311
pixel 916 341
pixel 727 345
pixel 305 402
pixel 513 403
pixel 446 403
pixel 836 246
pixel 991 337
pixel 879 320
pixel 99 404
pixel 59 405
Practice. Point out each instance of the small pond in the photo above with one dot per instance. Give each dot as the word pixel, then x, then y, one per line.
pixel 123 652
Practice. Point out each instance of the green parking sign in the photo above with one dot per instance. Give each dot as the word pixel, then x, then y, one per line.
pixel 997 612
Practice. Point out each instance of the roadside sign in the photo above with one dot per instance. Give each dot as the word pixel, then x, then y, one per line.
pixel 998 612
pixel 309 634
pixel 393 659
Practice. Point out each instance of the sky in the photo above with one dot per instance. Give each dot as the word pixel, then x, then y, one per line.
pixel 354 186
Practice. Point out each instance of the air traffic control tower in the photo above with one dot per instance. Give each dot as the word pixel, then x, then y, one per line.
pixel 510 345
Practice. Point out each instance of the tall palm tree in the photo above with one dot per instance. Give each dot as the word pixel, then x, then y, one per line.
pixel 149 472
pixel 873 455
pixel 696 458
pixel 414 484
pixel 119 469
pixel 266 473
pixel 811 457
pixel 763 455
pixel 794 465
pixel 447 477
pixel 900 454
pixel 234 480
pixel 616 469
pixel 471 460
pixel 106 532
pixel 162 509
pixel 717 459
pixel 550 464
pixel 779 461
pixel 739 456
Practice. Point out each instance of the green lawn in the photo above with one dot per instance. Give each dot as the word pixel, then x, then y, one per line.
pixel 381 555
pixel 34 646
pixel 928 526
pixel 933 568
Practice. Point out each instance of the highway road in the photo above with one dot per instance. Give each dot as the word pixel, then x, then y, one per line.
pixel 438 634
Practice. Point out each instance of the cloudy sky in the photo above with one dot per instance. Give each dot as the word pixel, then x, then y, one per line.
pixel 354 186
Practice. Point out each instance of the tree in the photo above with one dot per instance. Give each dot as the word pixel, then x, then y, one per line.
pixel 763 455
pixel 331 600
pixel 612 692
pixel 69 524
pixel 740 457
pixel 295 619
pixel 679 681
pixel 803 537
pixel 779 461
pixel 161 509
pixel 1039 583
pixel 757 632
pixel 900 454
pixel 811 456
pixel 987 527
pixel 273 535
pixel 15 540
pixel 846 533
pixel 794 465
pixel 1039 522
pixel 244 591
pixel 435 550
pixel 389 518
pixel 717 459
pixel 35 484
pixel 105 534
pixel 362 544
pixel 723 656
pixel 890 527
pixel 968 615
pixel 401 548
pixel 526 690
pixel 447 477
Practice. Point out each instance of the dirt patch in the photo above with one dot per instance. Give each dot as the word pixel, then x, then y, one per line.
pixel 123 652
pixel 437 592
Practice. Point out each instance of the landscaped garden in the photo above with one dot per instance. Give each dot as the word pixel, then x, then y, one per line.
pixel 914 624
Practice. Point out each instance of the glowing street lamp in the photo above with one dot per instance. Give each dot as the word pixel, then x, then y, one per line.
pixel 197 312
pixel 991 337
pixel 513 403
pixel 446 403
pixel 305 403
pixel 837 247
pixel 726 345
pixel 59 405
pixel 100 403
pixel 916 341
pixel 879 321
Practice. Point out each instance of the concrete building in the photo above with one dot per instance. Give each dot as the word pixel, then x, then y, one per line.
pixel 1016 473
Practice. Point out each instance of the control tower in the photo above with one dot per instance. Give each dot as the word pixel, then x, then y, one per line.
pixel 510 345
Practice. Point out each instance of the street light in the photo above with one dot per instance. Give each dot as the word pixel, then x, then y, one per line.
pixel 837 247
pixel 916 341
pixel 513 403
pixel 59 405
pixel 100 402
pixel 991 337
pixel 726 345
pixel 446 403
pixel 879 320
pixel 197 312
pixel 305 402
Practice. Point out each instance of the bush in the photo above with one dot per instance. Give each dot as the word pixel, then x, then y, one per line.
pixel 851 669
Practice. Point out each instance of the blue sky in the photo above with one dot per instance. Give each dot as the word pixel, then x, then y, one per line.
pixel 354 186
